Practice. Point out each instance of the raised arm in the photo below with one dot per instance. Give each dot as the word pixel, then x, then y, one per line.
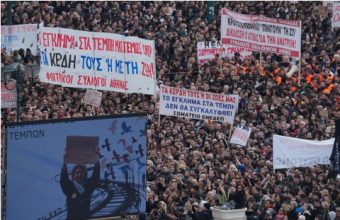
pixel 94 180
pixel 65 183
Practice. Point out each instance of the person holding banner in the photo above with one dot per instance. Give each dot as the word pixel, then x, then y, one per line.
pixel 78 190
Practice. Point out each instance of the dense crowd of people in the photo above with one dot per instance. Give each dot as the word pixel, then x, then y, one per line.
pixel 191 165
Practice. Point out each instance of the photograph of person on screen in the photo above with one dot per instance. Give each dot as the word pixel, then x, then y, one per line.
pixel 78 190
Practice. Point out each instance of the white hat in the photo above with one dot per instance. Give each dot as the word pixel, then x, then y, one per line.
pixel 202 203
pixel 332 215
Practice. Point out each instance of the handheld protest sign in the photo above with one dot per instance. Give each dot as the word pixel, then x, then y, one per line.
pixel 81 150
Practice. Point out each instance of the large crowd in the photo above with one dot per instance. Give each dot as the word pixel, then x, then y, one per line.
pixel 191 166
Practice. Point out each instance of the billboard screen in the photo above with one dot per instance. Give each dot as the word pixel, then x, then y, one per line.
pixel 83 168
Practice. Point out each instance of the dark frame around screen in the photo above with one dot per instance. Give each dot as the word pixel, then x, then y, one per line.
pixel 52 121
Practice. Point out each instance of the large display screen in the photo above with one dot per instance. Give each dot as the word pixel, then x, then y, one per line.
pixel 76 169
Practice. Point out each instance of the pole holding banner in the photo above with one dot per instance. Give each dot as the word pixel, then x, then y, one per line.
pixel 210 11
pixel 261 60
pixel 155 76
pixel 159 119
pixel 94 56
pixel 299 77
pixel 9 13
pixel 230 133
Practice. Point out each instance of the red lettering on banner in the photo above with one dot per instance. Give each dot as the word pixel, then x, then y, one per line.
pixel 147 50
pixel 205 52
pixel 230 99
pixel 235 33
pixel 336 18
pixel 118 84
pixel 58 40
pixel 217 97
pixel 148 70
pixel 5 96
pixel 177 91
pixel 194 94
pixel 59 78
pixel 164 90
pixel 84 43
pixel 256 47
pixel 31 28
pixel 119 47
pixel 91 81
pixel 255 37
pixel 131 47
pixel 286 42
pixel 10 30
pixel 255 18
pixel 105 44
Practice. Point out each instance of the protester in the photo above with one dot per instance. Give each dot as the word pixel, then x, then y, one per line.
pixel 190 161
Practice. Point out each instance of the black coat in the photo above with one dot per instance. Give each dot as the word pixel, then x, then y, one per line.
pixel 239 197
pixel 78 205
pixel 202 215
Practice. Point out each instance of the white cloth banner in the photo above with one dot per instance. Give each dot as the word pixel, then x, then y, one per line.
pixel 15 37
pixel 336 15
pixel 93 97
pixel 206 51
pixel 240 135
pixel 294 152
pixel 9 95
pixel 101 61
pixel 259 33
pixel 197 104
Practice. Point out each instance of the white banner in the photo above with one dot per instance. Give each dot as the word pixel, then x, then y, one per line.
pixel 206 51
pixel 198 105
pixel 15 37
pixel 101 61
pixel 336 15
pixel 93 97
pixel 240 135
pixel 294 152
pixel 259 33
pixel 9 95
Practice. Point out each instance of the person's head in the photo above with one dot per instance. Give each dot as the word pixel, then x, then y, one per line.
pixel 337 211
pixel 79 173
pixel 239 188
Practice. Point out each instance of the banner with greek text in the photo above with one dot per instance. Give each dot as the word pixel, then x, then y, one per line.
pixel 259 33
pixel 206 51
pixel 84 168
pixel 336 15
pixel 101 61
pixel 294 152
pixel 9 95
pixel 15 37
pixel 240 135
pixel 197 104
